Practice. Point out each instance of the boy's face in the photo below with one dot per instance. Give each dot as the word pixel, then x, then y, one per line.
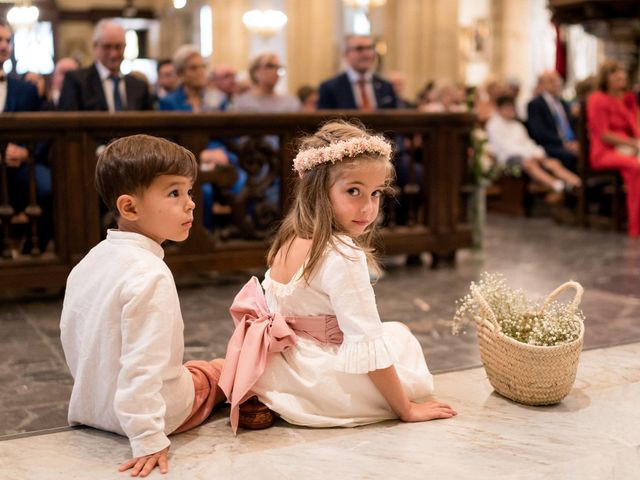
pixel 164 211
pixel 508 111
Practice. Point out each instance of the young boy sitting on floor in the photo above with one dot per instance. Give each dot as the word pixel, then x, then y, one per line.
pixel 121 326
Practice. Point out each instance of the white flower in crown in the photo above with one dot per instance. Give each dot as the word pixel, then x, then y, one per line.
pixel 309 158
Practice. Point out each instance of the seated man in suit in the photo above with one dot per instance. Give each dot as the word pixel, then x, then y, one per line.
pixel 549 121
pixel 20 96
pixel 101 86
pixel 357 87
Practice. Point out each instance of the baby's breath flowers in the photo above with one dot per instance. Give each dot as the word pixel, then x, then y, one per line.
pixel 518 317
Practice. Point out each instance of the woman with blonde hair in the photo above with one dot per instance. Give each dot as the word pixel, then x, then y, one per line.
pixel 264 72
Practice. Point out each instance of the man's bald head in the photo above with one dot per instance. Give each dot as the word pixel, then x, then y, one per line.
pixel 224 79
pixel 551 83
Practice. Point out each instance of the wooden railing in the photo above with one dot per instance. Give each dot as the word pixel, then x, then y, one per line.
pixel 432 198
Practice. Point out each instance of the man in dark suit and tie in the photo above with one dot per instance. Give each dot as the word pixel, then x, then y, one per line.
pixel 16 95
pixel 357 87
pixel 101 86
pixel 549 121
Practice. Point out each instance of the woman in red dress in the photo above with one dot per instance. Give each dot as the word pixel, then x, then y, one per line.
pixel 612 114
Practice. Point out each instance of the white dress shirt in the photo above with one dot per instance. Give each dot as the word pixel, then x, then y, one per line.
pixel 509 138
pixel 122 335
pixel 107 87
pixel 354 78
pixel 555 106
pixel 3 90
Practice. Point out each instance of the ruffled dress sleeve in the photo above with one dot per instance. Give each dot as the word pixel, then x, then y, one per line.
pixel 344 276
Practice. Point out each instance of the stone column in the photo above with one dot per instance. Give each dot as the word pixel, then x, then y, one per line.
pixel 422 38
pixel 312 51
pixel 230 37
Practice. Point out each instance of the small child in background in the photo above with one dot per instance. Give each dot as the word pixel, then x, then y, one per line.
pixel 121 326
pixel 513 147
pixel 312 346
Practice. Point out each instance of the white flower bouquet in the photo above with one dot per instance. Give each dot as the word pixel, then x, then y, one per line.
pixel 530 351
pixel 484 167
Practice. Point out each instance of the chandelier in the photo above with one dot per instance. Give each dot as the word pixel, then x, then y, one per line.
pixel 264 22
pixel 364 4
pixel 22 14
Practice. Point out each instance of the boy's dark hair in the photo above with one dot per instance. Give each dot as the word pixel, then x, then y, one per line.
pixel 305 91
pixel 163 62
pixel 129 165
pixel 503 100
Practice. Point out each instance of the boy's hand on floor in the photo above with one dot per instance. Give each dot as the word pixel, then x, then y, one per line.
pixel 144 465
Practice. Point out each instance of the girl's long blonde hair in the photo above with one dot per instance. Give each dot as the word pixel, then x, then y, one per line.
pixel 311 215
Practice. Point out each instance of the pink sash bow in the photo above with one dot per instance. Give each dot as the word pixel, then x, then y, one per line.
pixel 259 334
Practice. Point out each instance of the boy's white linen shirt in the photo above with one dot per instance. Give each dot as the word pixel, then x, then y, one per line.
pixel 509 138
pixel 122 334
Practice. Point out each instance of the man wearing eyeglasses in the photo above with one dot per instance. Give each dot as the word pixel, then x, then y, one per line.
pixel 102 86
pixel 358 87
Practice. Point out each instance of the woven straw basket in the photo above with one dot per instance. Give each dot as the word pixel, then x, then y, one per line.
pixel 528 374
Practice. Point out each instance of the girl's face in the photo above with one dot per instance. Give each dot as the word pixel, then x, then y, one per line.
pixel 355 195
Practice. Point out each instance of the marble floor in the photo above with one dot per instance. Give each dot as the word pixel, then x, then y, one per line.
pixel 592 434
pixel 535 254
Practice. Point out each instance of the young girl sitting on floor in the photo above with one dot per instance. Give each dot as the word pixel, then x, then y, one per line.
pixel 312 347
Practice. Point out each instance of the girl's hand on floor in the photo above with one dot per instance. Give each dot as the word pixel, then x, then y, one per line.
pixel 421 412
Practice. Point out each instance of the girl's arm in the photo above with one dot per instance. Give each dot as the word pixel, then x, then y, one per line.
pixel 387 382
pixel 346 280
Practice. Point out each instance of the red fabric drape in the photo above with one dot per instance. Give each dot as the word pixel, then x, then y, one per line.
pixel 561 53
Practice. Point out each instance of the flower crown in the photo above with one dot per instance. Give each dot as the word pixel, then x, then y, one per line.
pixel 309 158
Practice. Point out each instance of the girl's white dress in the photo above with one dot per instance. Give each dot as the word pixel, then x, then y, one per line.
pixel 325 386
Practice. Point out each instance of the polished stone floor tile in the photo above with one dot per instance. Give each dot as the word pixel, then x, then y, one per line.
pixel 592 434
pixel 534 254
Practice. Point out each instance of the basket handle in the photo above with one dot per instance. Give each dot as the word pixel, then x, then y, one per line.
pixel 565 286
pixel 485 308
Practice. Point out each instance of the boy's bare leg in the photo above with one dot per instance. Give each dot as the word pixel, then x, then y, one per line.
pixel 555 167
pixel 532 167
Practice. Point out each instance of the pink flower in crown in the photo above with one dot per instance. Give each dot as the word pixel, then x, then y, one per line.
pixel 307 159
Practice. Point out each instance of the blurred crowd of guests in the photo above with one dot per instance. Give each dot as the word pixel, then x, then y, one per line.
pixel 543 144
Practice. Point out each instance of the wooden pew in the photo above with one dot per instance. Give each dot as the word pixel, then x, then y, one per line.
pixel 514 195
pixel 438 225
pixel 597 185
